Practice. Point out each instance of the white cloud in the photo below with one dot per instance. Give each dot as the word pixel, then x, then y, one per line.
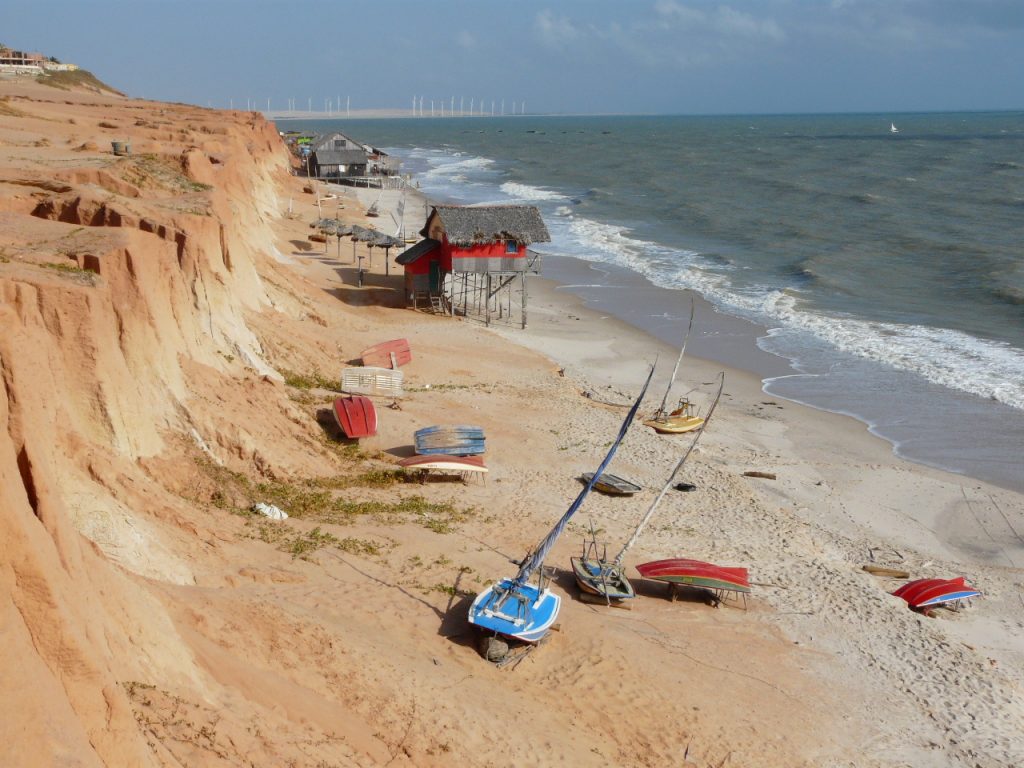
pixel 667 32
pixel 555 30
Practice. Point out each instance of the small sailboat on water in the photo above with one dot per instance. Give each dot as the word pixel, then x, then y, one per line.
pixel 893 128
pixel 682 418
pixel 594 573
pixel 517 609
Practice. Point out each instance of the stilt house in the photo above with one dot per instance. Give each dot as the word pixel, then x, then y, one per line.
pixel 474 259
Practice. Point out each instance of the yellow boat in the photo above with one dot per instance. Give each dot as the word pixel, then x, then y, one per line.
pixel 682 419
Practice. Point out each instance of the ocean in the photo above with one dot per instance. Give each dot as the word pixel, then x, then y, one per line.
pixel 885 269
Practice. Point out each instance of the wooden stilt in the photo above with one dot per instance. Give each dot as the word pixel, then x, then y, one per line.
pixel 524 298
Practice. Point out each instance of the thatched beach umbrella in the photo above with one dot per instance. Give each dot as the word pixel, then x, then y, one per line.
pixel 387 242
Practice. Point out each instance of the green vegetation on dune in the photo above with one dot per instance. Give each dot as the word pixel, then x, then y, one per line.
pixel 78 78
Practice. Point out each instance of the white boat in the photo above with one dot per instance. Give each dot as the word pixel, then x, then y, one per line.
pixel 893 128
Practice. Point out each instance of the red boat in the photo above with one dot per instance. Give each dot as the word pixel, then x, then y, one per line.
pixel 356 416
pixel 923 593
pixel 695 573
pixel 388 354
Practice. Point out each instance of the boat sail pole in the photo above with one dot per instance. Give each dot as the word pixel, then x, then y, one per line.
pixel 661 408
pixel 617 563
pixel 535 558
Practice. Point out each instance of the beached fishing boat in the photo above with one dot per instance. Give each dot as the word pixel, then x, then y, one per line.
pixel 356 416
pixel 594 573
pixel 696 573
pixel 926 593
pixel 457 440
pixel 682 418
pixel 611 484
pixel 388 354
pixel 518 609
pixel 451 463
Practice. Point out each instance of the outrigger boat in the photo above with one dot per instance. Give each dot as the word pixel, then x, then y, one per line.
pixel 594 573
pixel 682 419
pixel 517 609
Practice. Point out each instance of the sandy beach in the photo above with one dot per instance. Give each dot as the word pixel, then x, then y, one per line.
pixel 170 342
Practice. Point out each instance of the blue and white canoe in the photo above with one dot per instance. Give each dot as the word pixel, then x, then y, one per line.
pixel 456 440
pixel 525 613
pixel 443 428
pixel 466 449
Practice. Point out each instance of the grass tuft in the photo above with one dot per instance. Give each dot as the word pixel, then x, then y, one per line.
pixel 314 380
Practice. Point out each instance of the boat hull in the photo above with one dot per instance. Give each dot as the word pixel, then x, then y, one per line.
pixel 454 463
pixel 356 416
pixel 695 573
pixel 450 440
pixel 924 593
pixel 675 425
pixel 379 355
pixel 613 485
pixel 525 613
pixel 612 583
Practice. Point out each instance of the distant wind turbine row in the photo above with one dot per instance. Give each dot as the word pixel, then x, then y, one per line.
pixel 476 109
pixel 421 107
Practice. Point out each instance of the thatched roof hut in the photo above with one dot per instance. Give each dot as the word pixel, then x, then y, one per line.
pixel 473 225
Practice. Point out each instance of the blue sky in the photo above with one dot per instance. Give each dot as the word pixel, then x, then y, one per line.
pixel 572 56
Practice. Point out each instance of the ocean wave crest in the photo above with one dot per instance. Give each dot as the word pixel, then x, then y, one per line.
pixel 953 359
pixel 526 192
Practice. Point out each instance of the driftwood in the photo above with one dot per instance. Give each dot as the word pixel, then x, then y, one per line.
pixel 756 473
pixel 881 570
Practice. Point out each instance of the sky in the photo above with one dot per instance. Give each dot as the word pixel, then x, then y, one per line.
pixel 569 56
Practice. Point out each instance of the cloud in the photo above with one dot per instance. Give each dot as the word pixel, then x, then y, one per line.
pixel 666 32
pixel 555 31
pixel 467 40
pixel 722 20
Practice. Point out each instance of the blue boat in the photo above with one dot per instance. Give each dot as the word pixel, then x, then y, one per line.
pixel 530 610
pixel 467 449
pixel 516 609
pixel 458 440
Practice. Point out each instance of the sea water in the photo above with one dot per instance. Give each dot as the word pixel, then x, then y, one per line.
pixel 886 268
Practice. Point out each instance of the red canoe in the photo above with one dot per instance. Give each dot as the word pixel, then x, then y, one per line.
pixel 695 573
pixel 356 416
pixel 380 355
pixel 924 592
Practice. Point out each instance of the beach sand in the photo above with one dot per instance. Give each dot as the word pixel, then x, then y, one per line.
pixel 150 620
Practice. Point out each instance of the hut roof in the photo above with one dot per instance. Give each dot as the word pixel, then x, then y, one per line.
pixel 467 225
pixel 340 157
pixel 422 248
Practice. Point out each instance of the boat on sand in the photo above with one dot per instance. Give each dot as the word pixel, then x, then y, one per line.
pixel 356 416
pixel 595 574
pixel 613 485
pixel 517 609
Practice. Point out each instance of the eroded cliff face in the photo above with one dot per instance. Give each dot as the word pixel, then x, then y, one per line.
pixel 125 285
